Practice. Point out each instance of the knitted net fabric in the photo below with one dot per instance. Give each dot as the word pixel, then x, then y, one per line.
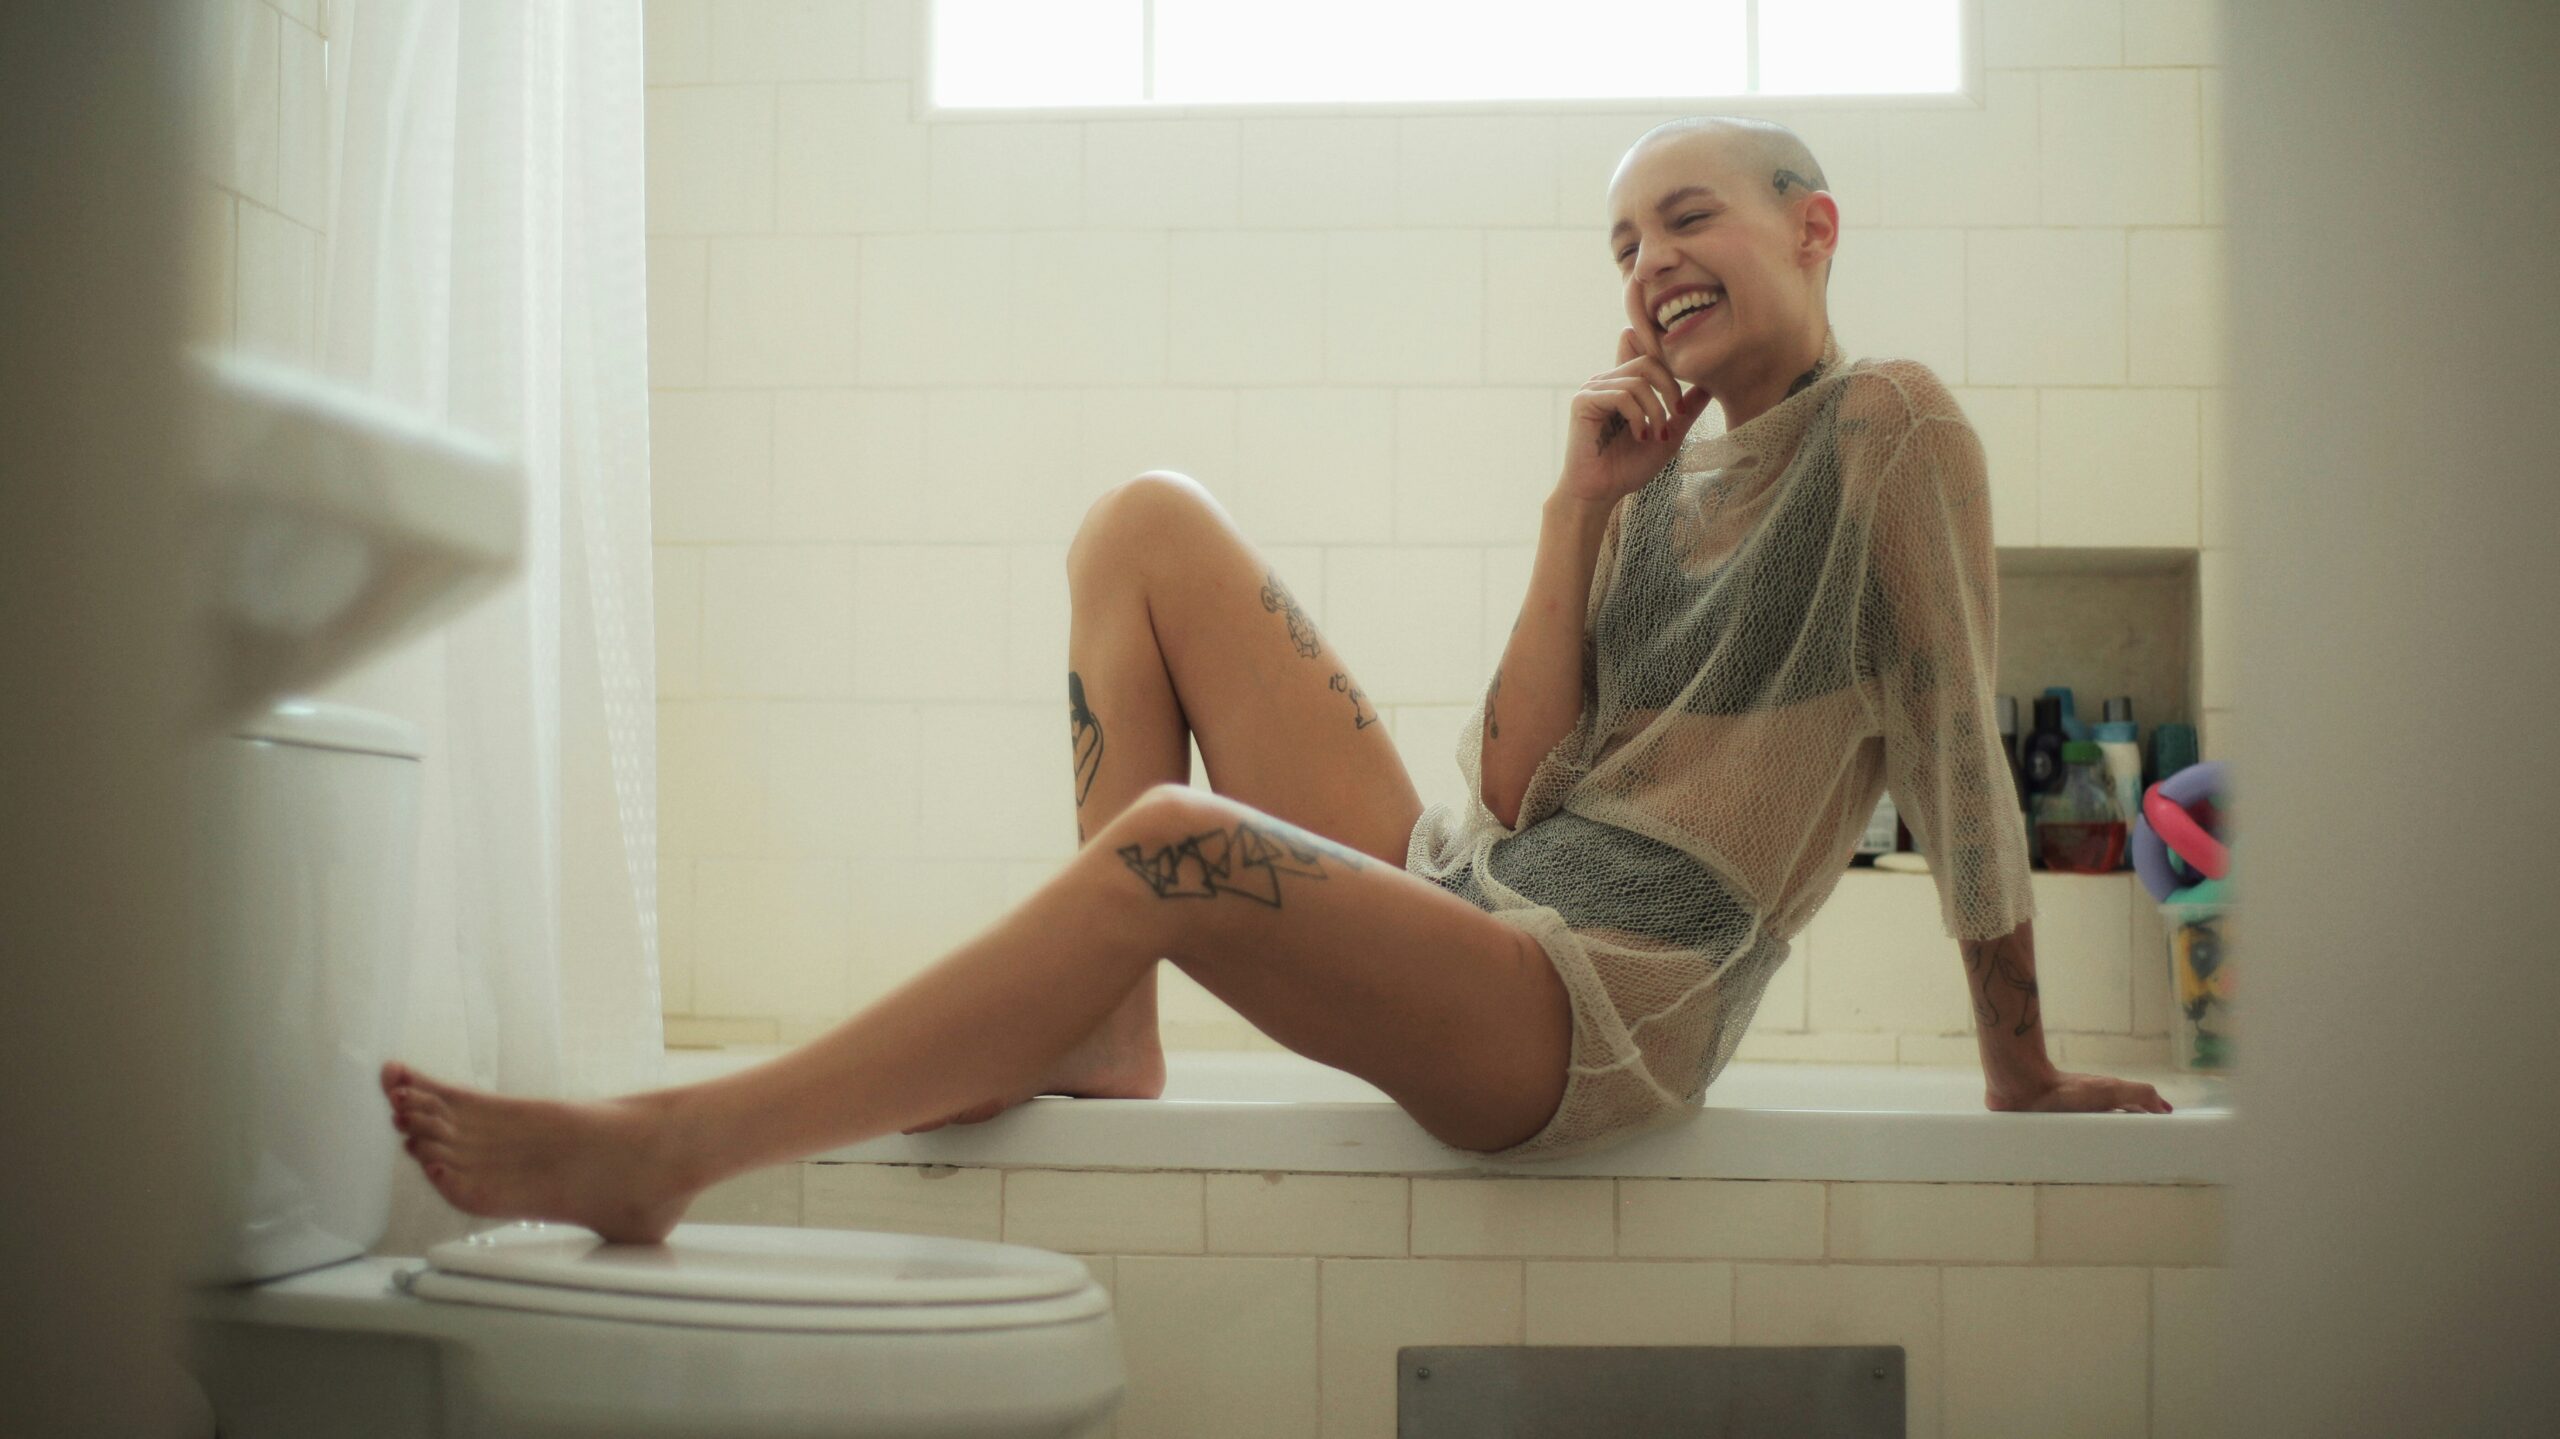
pixel 1789 619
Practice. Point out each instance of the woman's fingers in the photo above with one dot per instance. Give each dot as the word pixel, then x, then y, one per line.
pixel 1652 419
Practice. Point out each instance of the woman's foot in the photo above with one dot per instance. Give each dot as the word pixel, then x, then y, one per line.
pixel 610 1166
pixel 1110 1064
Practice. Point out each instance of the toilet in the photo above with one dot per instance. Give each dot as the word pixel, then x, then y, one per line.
pixel 304 838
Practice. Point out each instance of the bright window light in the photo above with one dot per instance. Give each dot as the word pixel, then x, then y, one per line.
pixel 1039 52
pixel 1858 47
pixel 1069 53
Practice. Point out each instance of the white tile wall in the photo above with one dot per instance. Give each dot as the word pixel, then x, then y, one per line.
pixel 895 359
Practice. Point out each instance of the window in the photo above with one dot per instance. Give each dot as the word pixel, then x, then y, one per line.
pixel 1064 53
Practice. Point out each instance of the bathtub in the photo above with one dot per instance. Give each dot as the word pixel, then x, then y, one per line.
pixel 1276 1111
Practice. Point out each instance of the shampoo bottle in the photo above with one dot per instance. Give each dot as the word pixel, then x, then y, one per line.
pixel 2122 760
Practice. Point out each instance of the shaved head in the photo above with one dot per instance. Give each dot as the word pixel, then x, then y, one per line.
pixel 1766 159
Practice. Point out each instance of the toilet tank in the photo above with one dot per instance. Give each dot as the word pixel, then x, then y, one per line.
pixel 303 839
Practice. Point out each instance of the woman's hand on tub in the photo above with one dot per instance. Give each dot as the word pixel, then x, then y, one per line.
pixel 2063 1092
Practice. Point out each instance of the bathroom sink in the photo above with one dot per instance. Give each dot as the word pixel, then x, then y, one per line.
pixel 331 525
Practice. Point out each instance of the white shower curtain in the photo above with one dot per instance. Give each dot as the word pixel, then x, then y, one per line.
pixel 485 265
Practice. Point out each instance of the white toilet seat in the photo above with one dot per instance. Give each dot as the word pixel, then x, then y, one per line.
pixel 753 1277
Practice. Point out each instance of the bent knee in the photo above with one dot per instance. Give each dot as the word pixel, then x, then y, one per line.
pixel 1133 517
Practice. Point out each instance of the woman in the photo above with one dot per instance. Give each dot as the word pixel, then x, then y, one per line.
pixel 1721 659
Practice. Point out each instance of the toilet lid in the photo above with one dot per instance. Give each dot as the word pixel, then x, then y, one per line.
pixel 765 1265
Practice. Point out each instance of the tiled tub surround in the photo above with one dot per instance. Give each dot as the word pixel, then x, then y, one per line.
pixel 1273 1231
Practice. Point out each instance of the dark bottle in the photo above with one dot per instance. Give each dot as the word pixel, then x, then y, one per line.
pixel 2043 765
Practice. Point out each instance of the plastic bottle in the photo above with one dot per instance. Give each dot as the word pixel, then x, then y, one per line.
pixel 2079 829
pixel 2041 763
pixel 2009 746
pixel 2117 742
pixel 2073 727
pixel 1879 835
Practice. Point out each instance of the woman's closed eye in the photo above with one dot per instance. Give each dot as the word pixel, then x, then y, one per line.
pixel 1682 224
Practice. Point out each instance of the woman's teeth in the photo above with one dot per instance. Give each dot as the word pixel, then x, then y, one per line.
pixel 1680 311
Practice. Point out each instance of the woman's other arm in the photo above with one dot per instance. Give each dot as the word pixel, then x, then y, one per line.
pixel 1547 660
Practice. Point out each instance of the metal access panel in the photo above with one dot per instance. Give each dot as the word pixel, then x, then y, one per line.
pixel 1688 1391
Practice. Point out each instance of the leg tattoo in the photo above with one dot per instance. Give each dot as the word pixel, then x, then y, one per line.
pixel 1302 631
pixel 1248 862
pixel 1361 716
pixel 1085 733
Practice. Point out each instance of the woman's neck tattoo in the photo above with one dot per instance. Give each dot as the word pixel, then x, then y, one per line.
pixel 1804 380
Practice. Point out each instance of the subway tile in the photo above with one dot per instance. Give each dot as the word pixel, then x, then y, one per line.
pixel 767 1196
pixel 1248 308
pixel 2216 603
pixel 776 934
pixel 1988 1223
pixel 1089 305
pixel 786 39
pixel 1861 1304
pixel 785 309
pixel 1507 572
pixel 676 930
pixel 1317 172
pixel 1962 166
pixel 2112 1051
pixel 2117 467
pixel 2191 1348
pixel 2005 421
pixel 892 39
pixel 1845 142
pixel 1513 1216
pixel 1473 466
pixel 2130 1224
pixel 929 622
pixel 1476 170
pixel 1588 149
pixel 1612 1301
pixel 1278 1213
pixel 1038 609
pixel 2173 32
pixel 1903 295
pixel 279 287
pixel 1223 1346
pixel 252 88
pixel 679 310
pixel 2037 1350
pixel 1719 1219
pixel 777 621
pixel 2120 148
pixel 1008 466
pixel 937 1199
pixel 711 778
pixel 937 310
pixel 1553 306
pixel 2213 467
pixel 1125 432
pixel 1885 962
pixel 848 466
pixel 677 601
pixel 675 41
pixel 2177 335
pixel 2216 161
pixel 1373 1307
pixel 1312 465
pixel 2020 33
pixel 2045 307
pixel 846 783
pixel 1404 620
pixel 995 176
pixel 711 465
pixel 2082 921
pixel 914 912
pixel 1098 1211
pixel 1816 1048
pixel 1160 173
pixel 710 160
pixel 999 787
pixel 685 1031
pixel 302 128
pixel 1404 307
pixel 2147 950
pixel 849 158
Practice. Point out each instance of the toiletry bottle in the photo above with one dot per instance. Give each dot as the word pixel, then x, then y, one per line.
pixel 2043 763
pixel 1878 838
pixel 2073 727
pixel 2123 764
pixel 2009 746
pixel 2173 748
pixel 2079 830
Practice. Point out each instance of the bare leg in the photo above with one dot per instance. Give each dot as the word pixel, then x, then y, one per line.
pixel 1351 962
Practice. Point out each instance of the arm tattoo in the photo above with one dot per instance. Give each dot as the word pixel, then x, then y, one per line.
pixel 1361 715
pixel 1979 958
pixel 1302 631
pixel 1247 862
pixel 1492 726
pixel 1085 734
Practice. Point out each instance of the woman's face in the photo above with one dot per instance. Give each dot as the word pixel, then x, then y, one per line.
pixel 1684 218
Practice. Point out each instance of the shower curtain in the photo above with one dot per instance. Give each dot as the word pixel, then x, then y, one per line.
pixel 485 265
